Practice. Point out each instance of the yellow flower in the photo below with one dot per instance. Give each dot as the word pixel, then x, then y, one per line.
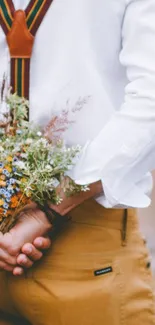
pixel 2 183
pixel 1 202
pixel 9 158
pixel 8 168
pixel 23 180
pixel 2 177
pixel 28 194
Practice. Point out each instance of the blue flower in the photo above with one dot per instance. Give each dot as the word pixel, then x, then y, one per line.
pixel 14 169
pixel 6 173
pixel 7 194
pixel 12 181
pixel 5 206
pixel 8 199
pixel 1 165
pixel 3 191
pixel 10 189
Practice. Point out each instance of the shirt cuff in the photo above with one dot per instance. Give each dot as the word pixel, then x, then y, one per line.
pixel 137 197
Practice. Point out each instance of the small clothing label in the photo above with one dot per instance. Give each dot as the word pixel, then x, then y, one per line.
pixel 103 271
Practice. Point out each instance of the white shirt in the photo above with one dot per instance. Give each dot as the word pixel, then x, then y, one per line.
pixel 102 53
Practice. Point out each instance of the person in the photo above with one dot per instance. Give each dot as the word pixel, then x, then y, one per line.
pixel 96 59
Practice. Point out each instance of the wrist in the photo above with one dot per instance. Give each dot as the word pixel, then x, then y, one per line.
pixel 34 219
pixel 95 189
pixel 56 219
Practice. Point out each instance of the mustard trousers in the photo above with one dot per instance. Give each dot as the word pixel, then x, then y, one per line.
pixel 97 272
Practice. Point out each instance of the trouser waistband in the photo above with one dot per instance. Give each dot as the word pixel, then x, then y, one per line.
pixel 92 213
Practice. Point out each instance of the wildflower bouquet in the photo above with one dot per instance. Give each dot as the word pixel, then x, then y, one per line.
pixel 32 163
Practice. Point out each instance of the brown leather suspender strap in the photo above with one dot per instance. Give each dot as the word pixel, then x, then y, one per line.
pixel 20 28
pixel 20 42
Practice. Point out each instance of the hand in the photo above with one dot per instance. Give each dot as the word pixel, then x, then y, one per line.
pixel 31 224
pixel 69 203
pixel 31 253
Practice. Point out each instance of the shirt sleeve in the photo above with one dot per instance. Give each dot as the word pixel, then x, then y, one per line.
pixel 124 151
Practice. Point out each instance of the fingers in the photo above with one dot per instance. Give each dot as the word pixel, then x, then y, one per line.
pixel 17 271
pixel 6 258
pixel 42 243
pixel 24 261
pixel 7 261
pixel 31 252
pixel 6 267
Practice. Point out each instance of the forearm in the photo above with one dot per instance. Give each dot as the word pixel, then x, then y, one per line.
pixel 69 203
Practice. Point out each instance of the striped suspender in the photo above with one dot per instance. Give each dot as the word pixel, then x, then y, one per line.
pixel 20 39
pixel 6 15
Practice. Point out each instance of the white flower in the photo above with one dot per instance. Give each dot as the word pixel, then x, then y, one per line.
pixel 54 183
pixel 16 149
pixel 39 134
pixel 23 155
pixel 48 167
pixel 42 141
pixel 29 141
pixel 1 149
pixel 52 161
pixel 58 200
pixel 20 164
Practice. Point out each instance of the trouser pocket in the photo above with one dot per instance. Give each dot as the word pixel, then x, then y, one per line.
pixel 138 295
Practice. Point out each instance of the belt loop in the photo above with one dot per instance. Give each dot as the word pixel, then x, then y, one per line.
pixel 124 227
